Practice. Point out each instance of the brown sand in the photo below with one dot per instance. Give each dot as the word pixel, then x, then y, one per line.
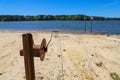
pixel 69 57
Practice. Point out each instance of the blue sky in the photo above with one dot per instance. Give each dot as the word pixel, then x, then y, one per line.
pixel 106 8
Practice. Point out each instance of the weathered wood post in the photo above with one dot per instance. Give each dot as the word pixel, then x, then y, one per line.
pixel 28 56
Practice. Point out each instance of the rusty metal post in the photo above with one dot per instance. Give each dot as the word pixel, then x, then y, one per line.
pixel 28 56
pixel 85 24
pixel 91 24
pixel 91 27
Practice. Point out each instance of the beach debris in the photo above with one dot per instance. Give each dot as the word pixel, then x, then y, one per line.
pixel 99 64
pixel 64 50
pixel 114 76
pixel 59 55
pixel 0 73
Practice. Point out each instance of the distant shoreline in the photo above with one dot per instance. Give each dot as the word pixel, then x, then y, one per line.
pixel 59 20
pixel 53 17
pixel 56 31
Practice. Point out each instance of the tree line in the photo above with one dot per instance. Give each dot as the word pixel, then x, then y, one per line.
pixel 51 17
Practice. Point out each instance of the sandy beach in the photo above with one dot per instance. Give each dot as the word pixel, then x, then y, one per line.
pixel 69 57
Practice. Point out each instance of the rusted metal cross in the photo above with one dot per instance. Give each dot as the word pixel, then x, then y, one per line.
pixel 30 51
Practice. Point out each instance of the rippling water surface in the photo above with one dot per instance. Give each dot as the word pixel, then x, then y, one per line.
pixel 78 26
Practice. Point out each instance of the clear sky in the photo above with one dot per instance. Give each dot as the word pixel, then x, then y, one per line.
pixel 106 8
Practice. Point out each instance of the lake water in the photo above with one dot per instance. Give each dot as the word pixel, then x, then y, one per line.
pixel 112 27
